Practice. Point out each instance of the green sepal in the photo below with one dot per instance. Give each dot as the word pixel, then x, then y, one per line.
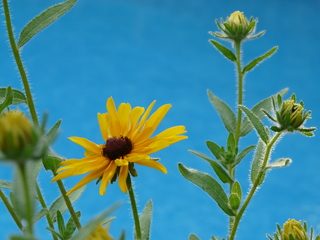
pixel 307 131
pixel 242 154
pixel 145 221
pixel 225 51
pixel 60 205
pixel 43 20
pixel 280 163
pixel 258 60
pixel 227 115
pixel 256 123
pixel 257 35
pixel 266 104
pixel 257 160
pixel 276 129
pixel 193 237
pixel 18 96
pixel 209 185
pixel 269 115
pixel 87 230
pixel 8 99
pixel 234 201
pixel 221 173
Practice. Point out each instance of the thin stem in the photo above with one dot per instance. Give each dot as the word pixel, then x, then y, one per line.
pixel 69 204
pixel 255 185
pixel 28 198
pixel 11 210
pixel 19 63
pixel 43 205
pixel 134 209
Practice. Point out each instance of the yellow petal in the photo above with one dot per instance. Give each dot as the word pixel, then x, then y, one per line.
pixel 114 119
pixel 153 164
pixel 123 174
pixel 107 175
pixel 104 129
pixel 90 147
pixel 123 114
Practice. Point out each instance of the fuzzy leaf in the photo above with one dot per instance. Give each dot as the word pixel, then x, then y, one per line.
pixel 236 189
pixel 71 226
pixel 234 201
pixel 6 184
pixel 53 131
pixel 193 237
pixel 225 51
pixel 257 160
pixel 87 230
pixel 43 20
pixel 242 154
pixel 265 104
pixel 221 173
pixel 51 161
pixel 145 221
pixel 37 216
pixel 227 115
pixel 209 185
pixel 8 99
pixel 256 123
pixel 282 162
pixel 214 148
pixel 18 96
pixel 258 60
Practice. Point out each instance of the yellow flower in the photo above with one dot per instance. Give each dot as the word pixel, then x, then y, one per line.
pixel 127 139
pixel 294 228
pixel 100 233
pixel 236 19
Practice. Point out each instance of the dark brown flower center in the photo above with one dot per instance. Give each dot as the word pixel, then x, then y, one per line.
pixel 117 147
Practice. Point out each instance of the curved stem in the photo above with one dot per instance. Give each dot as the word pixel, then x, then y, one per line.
pixel 134 209
pixel 11 210
pixel 254 186
pixel 43 205
pixel 19 63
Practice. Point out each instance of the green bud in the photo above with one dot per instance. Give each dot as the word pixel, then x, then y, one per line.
pixel 295 229
pixel 19 139
pixel 237 19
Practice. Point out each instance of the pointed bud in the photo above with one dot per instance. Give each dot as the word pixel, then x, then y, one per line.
pixel 295 229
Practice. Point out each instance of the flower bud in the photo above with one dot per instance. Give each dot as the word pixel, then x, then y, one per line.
pixel 294 228
pixel 236 19
pixel 293 111
pixel 19 139
pixel 100 232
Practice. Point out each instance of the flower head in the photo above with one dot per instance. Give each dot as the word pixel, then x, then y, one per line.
pixel 126 132
pixel 100 233
pixel 19 139
pixel 237 27
pixel 295 229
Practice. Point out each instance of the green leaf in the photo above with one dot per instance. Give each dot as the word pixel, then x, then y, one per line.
pixel 18 96
pixel 8 99
pixel 43 20
pixel 258 60
pixel 37 216
pixel 60 205
pixel 225 51
pixel 6 184
pixel 145 221
pixel 236 189
pixel 221 173
pixel 242 154
pixel 122 235
pixel 60 221
pixel 53 131
pixel 227 115
pixel 209 185
pixel 193 237
pixel 87 230
pixel 234 201
pixel 265 104
pixel 16 237
pixel 71 226
pixel 257 160
pixel 256 123
pixel 214 148
pixel 280 163
pixel 51 161
pixel 53 231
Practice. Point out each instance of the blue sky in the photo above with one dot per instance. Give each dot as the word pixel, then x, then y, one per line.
pixel 139 51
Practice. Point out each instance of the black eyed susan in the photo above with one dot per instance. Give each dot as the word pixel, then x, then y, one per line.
pixel 126 132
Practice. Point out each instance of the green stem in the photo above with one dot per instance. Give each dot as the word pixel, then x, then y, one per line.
pixel 43 205
pixel 69 204
pixel 11 210
pixel 19 63
pixel 255 185
pixel 134 209
pixel 28 198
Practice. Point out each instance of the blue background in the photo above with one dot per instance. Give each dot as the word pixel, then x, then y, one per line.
pixel 143 50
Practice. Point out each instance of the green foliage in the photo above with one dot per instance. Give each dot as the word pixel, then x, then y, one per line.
pixel 225 51
pixel 7 99
pixel 209 185
pixel 145 221
pixel 43 20
pixel 18 97
pixel 193 237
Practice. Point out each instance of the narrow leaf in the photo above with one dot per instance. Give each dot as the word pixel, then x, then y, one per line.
pixel 71 226
pixel 209 185
pixel 236 189
pixel 193 237
pixel 43 20
pixel 37 216
pixel 8 98
pixel 18 96
pixel 227 115
pixel 256 123
pixel 87 230
pixel 221 173
pixel 265 104
pixel 225 51
pixel 5 184
pixel 53 131
pixel 257 160
pixel 280 163
pixel 145 221
pixel 258 60
pixel 60 221
pixel 242 154
pixel 214 148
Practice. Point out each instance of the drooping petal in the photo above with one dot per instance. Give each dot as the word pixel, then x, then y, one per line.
pixel 90 147
pixel 123 174
pixel 107 176
pixel 153 164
